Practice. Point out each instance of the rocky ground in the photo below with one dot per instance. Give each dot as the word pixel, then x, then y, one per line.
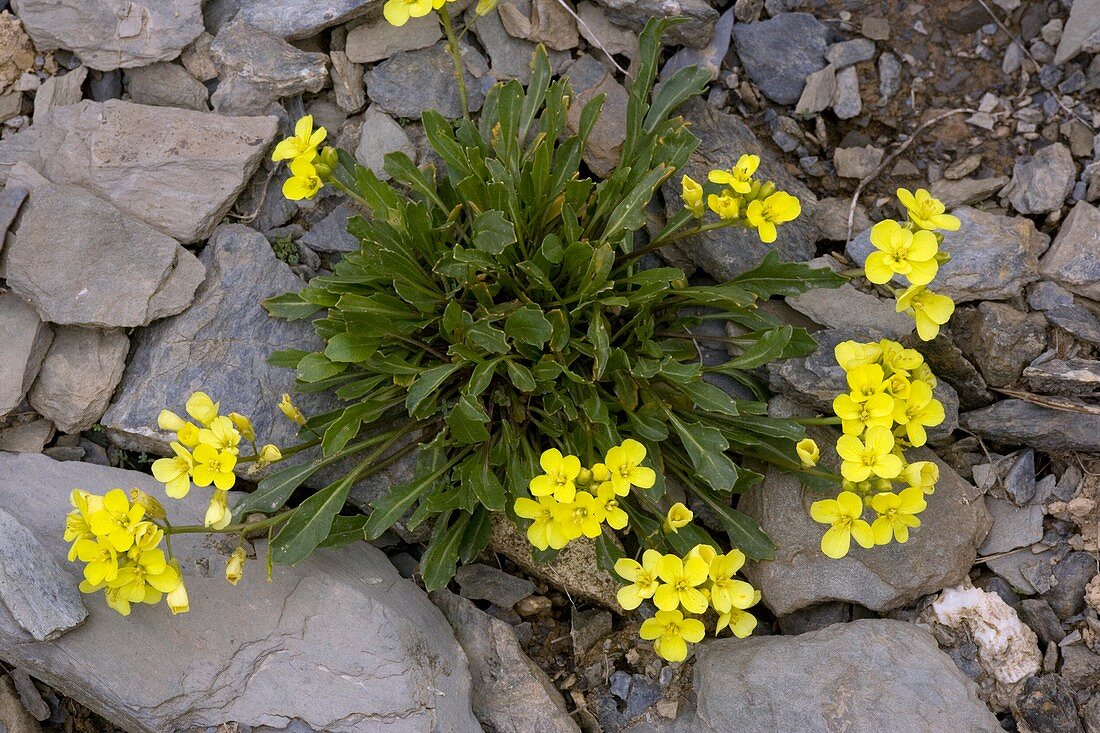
pixel 149 125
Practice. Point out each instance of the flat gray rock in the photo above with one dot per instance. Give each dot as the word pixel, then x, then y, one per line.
pixel 1083 22
pixel 992 256
pixel 273 656
pixel 589 77
pixel 408 83
pixel 380 136
pixel 78 376
pixel 1013 526
pixel 848 307
pixel 41 598
pixel 1074 256
pixel 331 233
pixel 177 170
pixel 377 39
pixel 167 85
pixel 107 34
pixel 1000 340
pixel 1016 422
pixel 1040 183
pixel 778 54
pixel 26 340
pixel 694 33
pixel 867 676
pixel 294 19
pixel 58 91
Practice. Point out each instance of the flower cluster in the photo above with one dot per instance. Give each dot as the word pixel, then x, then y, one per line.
pixel 684 587
pixel 739 199
pixel 888 408
pixel 308 166
pixel 120 548
pixel 571 501
pixel 206 454
pixel 912 251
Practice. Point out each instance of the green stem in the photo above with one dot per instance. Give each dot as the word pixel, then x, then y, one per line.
pixel 349 192
pixel 816 420
pixel 306 445
pixel 231 528
pixel 659 243
pixel 456 57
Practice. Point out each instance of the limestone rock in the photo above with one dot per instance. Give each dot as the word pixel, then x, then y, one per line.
pixel 589 77
pixel 596 28
pixel 410 82
pixel 95 266
pixel 107 34
pixel 510 57
pixel 177 170
pixel 378 40
pixel 28 437
pixel 999 339
pixel 694 33
pixel 1016 422
pixel 80 372
pixel 347 83
pixel 1040 183
pixel 58 91
pixel 331 233
pixel 167 85
pixel 778 54
pixel 1083 22
pixel 256 68
pixel 1074 257
pixel 380 136
pixel 26 341
pixel 294 19
pixel 268 655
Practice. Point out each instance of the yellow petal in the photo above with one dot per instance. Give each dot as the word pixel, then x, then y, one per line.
pixel 835 543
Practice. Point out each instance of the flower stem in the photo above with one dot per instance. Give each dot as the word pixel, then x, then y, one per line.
pixel 243 527
pixel 456 57
pixel 659 243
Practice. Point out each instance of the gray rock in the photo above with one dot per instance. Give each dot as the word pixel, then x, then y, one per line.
pixel 938 554
pixel 992 256
pixel 196 58
pixel 331 233
pixel 848 53
pixel 109 35
pixel 347 83
pixel 380 136
pixel 818 92
pixel 858 162
pixel 694 32
pixel 95 266
pixel 486 583
pixel 28 437
pixel 40 597
pixel 831 215
pixel 105 85
pixel 847 102
pixel 815 617
pixel 378 40
pixel 1019 482
pixel 1083 22
pixel 177 170
pixel 597 29
pixel 819 683
pixel 1071 574
pixel 509 692
pixel 1000 340
pixel 78 377
pixel 552 25
pixel 949 364
pixel 966 191
pixel 587 628
pixel 1027 572
pixel 410 82
pixel 1016 422
pixel 1047 705
pixel 1090 714
pixel 1013 526
pixel 589 77
pixel 219 345
pixel 510 57
pixel 1064 376
pixel 256 68
pixel 1074 257
pixel 731 251
pixel 289 663
pixel 58 91
pixel 167 85
pixel 781 75
pixel 1080 667
pixel 709 57
pixel 294 19
pixel 848 307
pixel 14 714
pixel 889 76
pixel 1041 183
pixel 1038 614
pixel 26 340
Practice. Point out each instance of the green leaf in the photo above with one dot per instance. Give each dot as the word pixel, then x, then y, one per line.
pixel 708 397
pixel 344 531
pixel 437 565
pixel 310 523
pixel 770 345
pixel 773 277
pixel 393 505
pixel 426 385
pixel 493 233
pixel 528 325
pixel 273 491
pixel 468 422
pixel 706 447
pixel 490 338
pixel 476 537
pixel 287 358
pixel 351 347
pixel 289 306
pixel 745 533
pixel 686 83
pixel 521 376
pixel 477 472
pixel 315 367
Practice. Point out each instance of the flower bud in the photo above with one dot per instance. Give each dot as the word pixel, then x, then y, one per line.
pixel 177 599
pixel 189 435
pixel 484 7
pixel 291 411
pixel 326 162
pixel 152 507
pixel 168 420
pixel 678 516
pixel 243 425
pixel 218 515
pixel 808 452
pixel 270 454
pixel 234 569
pixel 584 478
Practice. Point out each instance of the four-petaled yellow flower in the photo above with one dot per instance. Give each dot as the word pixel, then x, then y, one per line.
pixel 901 252
pixel 671 633
pixel 559 477
pixel 624 462
pixel 304 182
pixel 213 466
pixel 726 207
pixel 304 142
pixel 927 212
pixel 582 516
pixel 845 515
pixel 855 417
pixel 642 577
pixel 398 12
pixel 678 516
pixel 808 452
pixel 221 434
pixel 102 559
pixel 543 531
pixel 692 194
pixel 929 310
pixel 739 178
pixel 726 592
pixel 608 501
pixel 148 578
pixel 116 520
pixel 896 514
pixel 865 382
pixel 202 408
pixel 851 354
pixel 778 208
pixel 923 475
pixel 921 410
pixel 872 455
pixel 739 621
pixel 680 579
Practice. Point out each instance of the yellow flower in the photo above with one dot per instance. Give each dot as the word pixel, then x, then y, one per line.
pixel 725 206
pixel 188 435
pixel 484 7
pixel 706 552
pixel 923 373
pixel 221 435
pixel 270 454
pixel 243 426
pixel 213 466
pixel 678 516
pixel 851 354
pixel 896 359
pixel 929 310
pixel 925 211
pixel 115 598
pixel 175 473
pixel 608 501
pixel 234 568
pixel 923 475
pixel 600 473
pixel 855 417
pixel 116 520
pixel 808 452
pixel 77 526
pixel 778 208
pixel 152 507
pixel 146 537
pixel 739 178
pixel 543 531
pixel 671 633
pixel 896 514
pixel 101 558
pixel 304 183
pixel 740 622
pixel 726 592
pixel 845 515
pixel 147 578
pixel 177 598
pixel 901 252
pixel 202 408
pixel 919 411
pixel 559 479
pixel 866 381
pixel 304 142
pixel 398 12
pixel 624 462
pixel 680 580
pixel 643 577
pixel 898 386
pixel 692 194
pixel 872 455
pixel 168 420
pixel 582 516
pixel 291 411
pixel 218 515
